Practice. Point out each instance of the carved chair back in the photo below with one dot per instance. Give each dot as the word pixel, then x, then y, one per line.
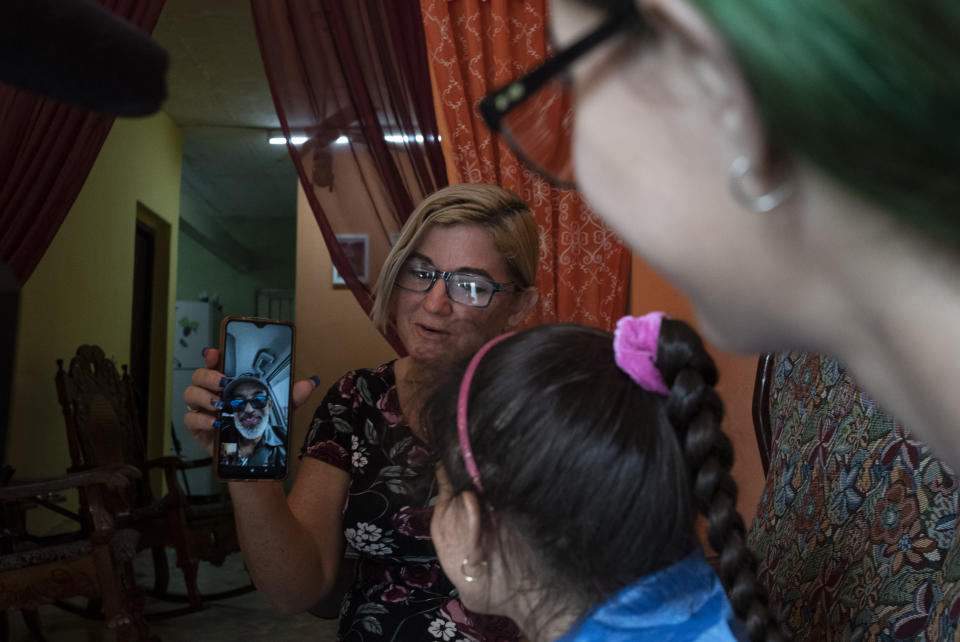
pixel 100 411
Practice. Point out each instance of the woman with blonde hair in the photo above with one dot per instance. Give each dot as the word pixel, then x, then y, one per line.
pixel 462 272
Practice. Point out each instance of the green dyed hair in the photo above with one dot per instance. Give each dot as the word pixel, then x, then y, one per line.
pixel 867 90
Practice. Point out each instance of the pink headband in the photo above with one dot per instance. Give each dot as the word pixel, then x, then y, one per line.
pixel 462 430
pixel 635 350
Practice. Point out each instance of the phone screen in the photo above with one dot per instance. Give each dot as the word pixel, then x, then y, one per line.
pixel 255 419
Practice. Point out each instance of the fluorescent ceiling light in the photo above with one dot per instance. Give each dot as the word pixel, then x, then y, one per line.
pixel 402 138
pixel 277 138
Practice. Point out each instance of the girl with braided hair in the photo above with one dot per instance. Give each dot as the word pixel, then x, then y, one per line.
pixel 572 466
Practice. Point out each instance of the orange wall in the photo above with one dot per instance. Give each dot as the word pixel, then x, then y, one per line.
pixel 650 291
pixel 333 333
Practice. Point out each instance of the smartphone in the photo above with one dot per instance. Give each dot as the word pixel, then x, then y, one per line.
pixel 256 357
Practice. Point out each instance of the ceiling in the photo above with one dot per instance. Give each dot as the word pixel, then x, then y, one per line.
pixel 218 94
pixel 216 76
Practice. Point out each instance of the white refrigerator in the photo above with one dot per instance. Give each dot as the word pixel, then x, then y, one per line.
pixel 196 326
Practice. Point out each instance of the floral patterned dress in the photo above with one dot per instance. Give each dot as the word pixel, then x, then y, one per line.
pixel 400 592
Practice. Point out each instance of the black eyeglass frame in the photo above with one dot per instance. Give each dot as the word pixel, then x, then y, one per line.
pixel 497 104
pixel 446 276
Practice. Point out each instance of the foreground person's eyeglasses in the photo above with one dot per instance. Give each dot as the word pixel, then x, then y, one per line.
pixel 534 113
pixel 469 289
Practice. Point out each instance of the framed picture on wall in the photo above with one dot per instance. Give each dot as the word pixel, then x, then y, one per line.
pixel 357 249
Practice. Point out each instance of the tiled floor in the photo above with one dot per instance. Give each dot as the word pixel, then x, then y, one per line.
pixel 246 618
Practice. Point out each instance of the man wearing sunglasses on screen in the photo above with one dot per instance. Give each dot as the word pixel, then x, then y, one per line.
pixel 248 438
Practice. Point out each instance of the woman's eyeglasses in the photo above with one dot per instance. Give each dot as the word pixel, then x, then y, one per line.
pixel 468 289
pixel 534 113
pixel 259 402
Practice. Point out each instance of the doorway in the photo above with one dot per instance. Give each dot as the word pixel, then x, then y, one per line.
pixel 144 252
pixel 148 328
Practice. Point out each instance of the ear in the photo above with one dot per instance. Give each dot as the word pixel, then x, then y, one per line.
pixel 472 525
pixel 720 80
pixel 522 307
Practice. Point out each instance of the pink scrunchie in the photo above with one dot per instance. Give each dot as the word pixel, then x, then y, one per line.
pixel 635 350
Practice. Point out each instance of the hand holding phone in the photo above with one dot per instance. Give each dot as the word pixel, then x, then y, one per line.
pixel 254 435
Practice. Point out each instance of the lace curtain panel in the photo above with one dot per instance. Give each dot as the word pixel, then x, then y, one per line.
pixel 475 46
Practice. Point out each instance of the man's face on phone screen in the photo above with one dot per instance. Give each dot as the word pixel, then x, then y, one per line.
pixel 251 421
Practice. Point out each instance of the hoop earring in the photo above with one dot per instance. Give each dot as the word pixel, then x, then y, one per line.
pixel 463 569
pixel 739 169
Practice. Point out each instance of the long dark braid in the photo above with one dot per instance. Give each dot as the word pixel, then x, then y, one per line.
pixel 695 410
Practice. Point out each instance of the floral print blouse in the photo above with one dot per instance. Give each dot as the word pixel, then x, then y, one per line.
pixel 400 592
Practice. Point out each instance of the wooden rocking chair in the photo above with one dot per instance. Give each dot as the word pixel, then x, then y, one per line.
pixel 103 428
pixel 96 564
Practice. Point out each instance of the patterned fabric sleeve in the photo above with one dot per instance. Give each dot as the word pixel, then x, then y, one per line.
pixel 331 431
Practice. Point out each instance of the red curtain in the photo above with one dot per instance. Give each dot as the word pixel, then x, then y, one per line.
pixel 474 47
pixel 353 78
pixel 46 151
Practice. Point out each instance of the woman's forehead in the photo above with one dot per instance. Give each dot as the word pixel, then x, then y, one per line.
pixel 460 247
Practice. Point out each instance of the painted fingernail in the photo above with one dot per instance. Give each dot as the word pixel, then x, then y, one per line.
pixel 223 382
pixel 216 423
pixel 217 403
pixel 316 381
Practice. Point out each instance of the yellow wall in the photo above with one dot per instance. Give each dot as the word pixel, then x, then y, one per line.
pixel 82 290
pixel 333 333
